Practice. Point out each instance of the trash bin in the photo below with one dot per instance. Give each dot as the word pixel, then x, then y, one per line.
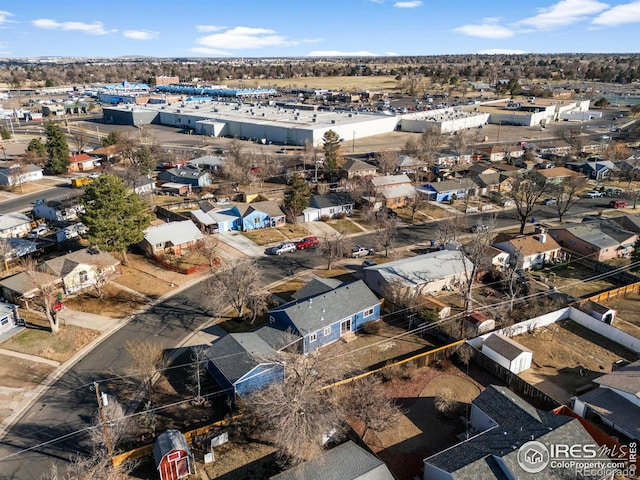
pixel 533 220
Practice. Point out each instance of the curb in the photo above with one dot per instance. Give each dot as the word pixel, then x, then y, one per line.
pixel 35 394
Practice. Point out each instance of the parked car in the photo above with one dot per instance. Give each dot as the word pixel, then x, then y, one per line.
pixel 280 249
pixel 360 251
pixel 593 194
pixel 479 227
pixel 368 263
pixel 613 192
pixel 307 242
pixel 617 204
pixel 549 201
pixel 39 231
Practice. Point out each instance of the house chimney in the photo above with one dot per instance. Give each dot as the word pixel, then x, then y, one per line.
pixel 542 238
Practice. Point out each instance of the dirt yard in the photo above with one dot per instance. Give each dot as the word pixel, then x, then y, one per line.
pixel 116 303
pixel 571 279
pixel 627 318
pixel 19 378
pixel 422 431
pixel 567 356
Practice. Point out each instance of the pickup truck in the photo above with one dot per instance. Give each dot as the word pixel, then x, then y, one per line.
pixel 307 242
pixel 360 251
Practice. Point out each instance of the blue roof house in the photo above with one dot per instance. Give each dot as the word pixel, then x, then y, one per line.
pixel 260 215
pixel 444 191
pixel 326 317
pixel 243 363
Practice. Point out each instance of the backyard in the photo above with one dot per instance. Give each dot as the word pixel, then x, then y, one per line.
pixel 575 280
pixel 567 356
pixel 627 318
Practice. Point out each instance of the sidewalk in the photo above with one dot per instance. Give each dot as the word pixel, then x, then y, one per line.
pixel 86 320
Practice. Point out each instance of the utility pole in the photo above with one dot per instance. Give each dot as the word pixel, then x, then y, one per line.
pixel 105 427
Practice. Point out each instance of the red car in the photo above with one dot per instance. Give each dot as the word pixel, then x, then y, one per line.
pixel 308 242
pixel 617 204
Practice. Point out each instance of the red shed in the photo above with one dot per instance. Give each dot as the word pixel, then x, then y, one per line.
pixel 172 456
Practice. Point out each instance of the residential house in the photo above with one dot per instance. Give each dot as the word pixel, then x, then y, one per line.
pixel 557 175
pixel 616 401
pixel 142 184
pixel 330 205
pixel 214 163
pixel 213 218
pixel 13 248
pixel 344 462
pixel 498 153
pixel 481 169
pixel 409 164
pixel 82 269
pixel 600 241
pixel 242 363
pixel 170 238
pixel 9 318
pixel 394 190
pixel 81 162
pixel 58 210
pixel 187 175
pixel 531 251
pixel 499 425
pixel 498 259
pixel 14 225
pixel 493 183
pixel 105 154
pixel 421 275
pixel 20 174
pixel 325 318
pixel 628 222
pixel 507 353
pixel 22 288
pixel 354 167
pixel 172 456
pixel 260 215
pixel 316 286
pixel 596 170
pixel 444 191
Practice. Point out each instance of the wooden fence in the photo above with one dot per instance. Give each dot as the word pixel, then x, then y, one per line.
pixel 416 361
pixel 616 292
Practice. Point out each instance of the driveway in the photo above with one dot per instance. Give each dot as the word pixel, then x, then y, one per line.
pixel 320 229
pixel 241 244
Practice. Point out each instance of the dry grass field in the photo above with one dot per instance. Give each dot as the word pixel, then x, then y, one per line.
pixel 375 83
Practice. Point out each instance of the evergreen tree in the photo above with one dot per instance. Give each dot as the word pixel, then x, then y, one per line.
pixel 36 148
pixel 5 133
pixel 331 147
pixel 116 217
pixel 296 197
pixel 57 149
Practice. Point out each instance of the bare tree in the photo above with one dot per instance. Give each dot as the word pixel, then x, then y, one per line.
pixel 46 291
pixel 148 359
pixel 476 252
pixel 296 413
pixel 118 425
pixel 447 230
pixel 401 295
pixel 197 372
pixel 101 279
pixel 368 401
pixel 384 230
pixel 233 285
pixel 567 194
pixel 258 303
pixel 334 248
pixel 415 203
pixel 80 139
pixel 526 190
pixel 445 401
pixel 387 162
pixel 208 248
pixel 18 174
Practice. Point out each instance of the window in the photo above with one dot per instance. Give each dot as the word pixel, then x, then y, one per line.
pixel 327 331
pixel 368 313
pixel 83 276
pixel 4 321
pixel 312 338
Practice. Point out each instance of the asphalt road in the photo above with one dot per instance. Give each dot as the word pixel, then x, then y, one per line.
pixel 70 403
pixel 24 203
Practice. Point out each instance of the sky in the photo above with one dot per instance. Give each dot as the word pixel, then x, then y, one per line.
pixel 308 28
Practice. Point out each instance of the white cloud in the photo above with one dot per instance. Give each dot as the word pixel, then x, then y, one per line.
pixel 337 53
pixel 95 28
pixel 409 4
pixel 501 51
pixel 4 17
pixel 140 34
pixel 565 12
pixel 487 29
pixel 618 15
pixel 209 28
pixel 239 38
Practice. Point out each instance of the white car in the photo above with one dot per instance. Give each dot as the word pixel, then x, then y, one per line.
pixel 39 231
pixel 282 248
pixel 593 194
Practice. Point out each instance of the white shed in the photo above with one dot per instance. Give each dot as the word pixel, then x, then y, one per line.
pixel 507 352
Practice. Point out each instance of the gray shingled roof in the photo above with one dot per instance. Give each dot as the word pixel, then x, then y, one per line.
pixel 614 408
pixel 270 208
pixel 599 234
pixel 315 287
pixel 344 462
pixel 625 379
pixel 167 441
pixel 517 423
pixel 237 354
pixel 448 185
pixel 64 264
pixel 388 180
pixel 311 314
pixel 504 346
pixel 357 165
pixel 22 283
pixel 177 233
pixel 334 199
